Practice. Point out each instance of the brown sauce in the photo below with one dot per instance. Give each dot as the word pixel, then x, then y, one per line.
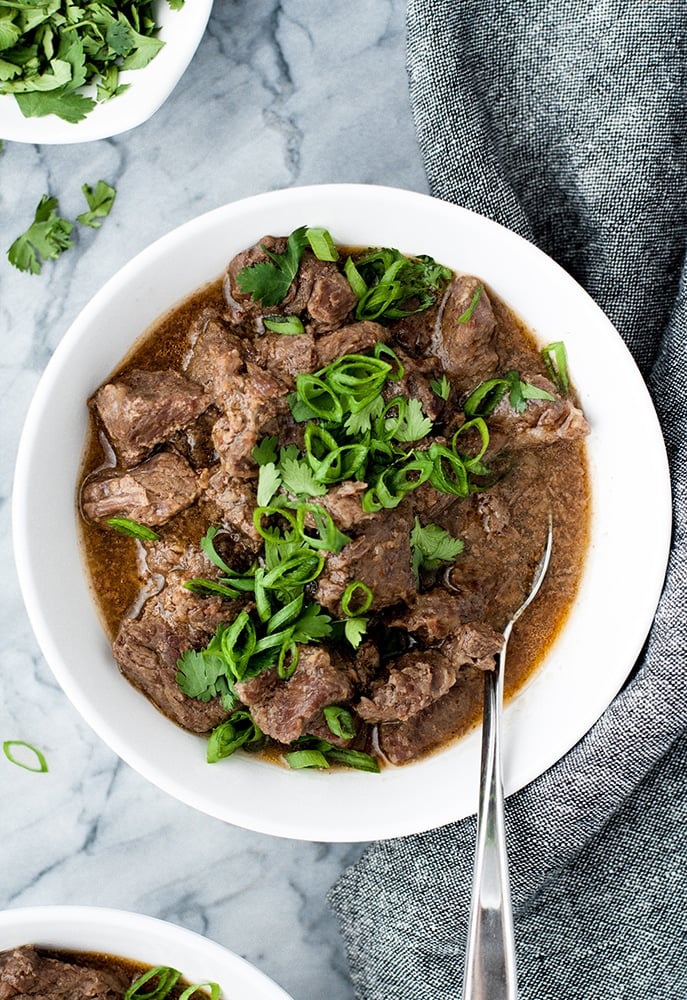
pixel 557 472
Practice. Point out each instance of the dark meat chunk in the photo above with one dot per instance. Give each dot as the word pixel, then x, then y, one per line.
pixel 352 339
pixel 25 973
pixel 343 502
pixel 366 663
pixel 285 356
pixel 282 708
pixel 252 409
pixel 147 650
pixel 216 357
pixel 414 681
pixel 319 293
pixel 416 384
pixel 145 408
pixel 542 422
pixel 432 616
pixel 379 557
pixel 151 494
pixel 465 346
pixel 474 644
pixel 234 501
pixel 434 726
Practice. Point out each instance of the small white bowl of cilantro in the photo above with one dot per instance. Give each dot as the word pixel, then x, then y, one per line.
pixel 92 68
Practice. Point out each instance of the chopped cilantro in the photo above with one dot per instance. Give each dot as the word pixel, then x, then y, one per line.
pixel 100 202
pixel 269 481
pixel 298 478
pixel 415 425
pixel 441 386
pixel 46 238
pixel 268 281
pixel 432 545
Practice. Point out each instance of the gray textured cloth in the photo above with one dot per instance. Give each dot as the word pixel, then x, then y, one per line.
pixel 565 121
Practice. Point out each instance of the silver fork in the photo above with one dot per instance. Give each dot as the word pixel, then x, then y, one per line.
pixel 490 972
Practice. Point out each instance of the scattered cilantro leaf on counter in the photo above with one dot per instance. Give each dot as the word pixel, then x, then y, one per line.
pixel 432 545
pixel 100 201
pixel 46 238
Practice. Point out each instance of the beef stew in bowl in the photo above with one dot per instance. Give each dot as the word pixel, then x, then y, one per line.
pixel 333 485
pixel 589 656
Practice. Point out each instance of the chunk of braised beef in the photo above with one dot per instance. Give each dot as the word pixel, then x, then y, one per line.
pixel 463 340
pixel 542 422
pixel 147 650
pixel 473 644
pixel 344 503
pixel 143 409
pixel 282 708
pixel 25 973
pixel 216 356
pixel 413 682
pixel 286 356
pixel 354 338
pixel 241 303
pixel 231 504
pixel 151 493
pixel 434 726
pixel 379 557
pixel 252 409
pixel 431 616
pixel 416 384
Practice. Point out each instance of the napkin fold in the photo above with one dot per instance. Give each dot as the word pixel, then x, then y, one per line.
pixel 565 120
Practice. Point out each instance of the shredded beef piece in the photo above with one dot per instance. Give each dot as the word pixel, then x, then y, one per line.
pixel 144 408
pixel 217 356
pixel 474 644
pixel 151 494
pixel 234 501
pixel 281 708
pixel 285 356
pixel 432 616
pixel 352 339
pixel 401 742
pixel 147 650
pixel 466 348
pixel 379 557
pixel 542 422
pixel 343 502
pixel 414 681
pixel 252 409
pixel 25 973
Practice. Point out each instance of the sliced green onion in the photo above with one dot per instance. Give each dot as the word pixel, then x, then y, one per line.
pixel 467 315
pixel 288 660
pixel 448 473
pixel 238 644
pixel 556 360
pixel 328 537
pixel 355 279
pixel 214 988
pixel 475 461
pixel 353 605
pixel 203 587
pixel 339 721
pixel 238 731
pixel 166 977
pixel 299 759
pixel 273 534
pixel 263 604
pixel 125 526
pixel 322 244
pixel 354 758
pixel 7 750
pixel 319 398
pixel 289 613
pixel 483 400
pixel 297 570
pixel 289 326
pixel 399 371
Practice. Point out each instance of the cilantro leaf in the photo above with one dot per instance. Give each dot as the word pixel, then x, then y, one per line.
pixel 45 239
pixel 71 108
pixel 269 281
pixel 269 481
pixel 442 387
pixel 298 478
pixel 100 202
pixel 199 673
pixel 266 451
pixel 415 425
pixel 354 630
pixel 312 624
pixel 432 545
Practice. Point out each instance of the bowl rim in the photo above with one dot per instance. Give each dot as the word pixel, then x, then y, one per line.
pixel 522 766
pixel 146 939
pixel 149 87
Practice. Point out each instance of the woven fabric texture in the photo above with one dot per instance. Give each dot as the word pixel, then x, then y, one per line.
pixel 565 120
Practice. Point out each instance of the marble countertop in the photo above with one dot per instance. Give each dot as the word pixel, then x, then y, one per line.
pixel 279 94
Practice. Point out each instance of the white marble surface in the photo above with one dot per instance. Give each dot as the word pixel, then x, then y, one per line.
pixel 278 94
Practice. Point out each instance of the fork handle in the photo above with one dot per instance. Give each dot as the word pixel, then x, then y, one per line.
pixel 490 972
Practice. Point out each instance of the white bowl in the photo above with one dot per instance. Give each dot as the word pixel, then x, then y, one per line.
pixel 589 660
pixel 180 30
pixel 141 939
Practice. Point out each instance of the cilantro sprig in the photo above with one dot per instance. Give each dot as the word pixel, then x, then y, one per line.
pixel 268 281
pixel 62 59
